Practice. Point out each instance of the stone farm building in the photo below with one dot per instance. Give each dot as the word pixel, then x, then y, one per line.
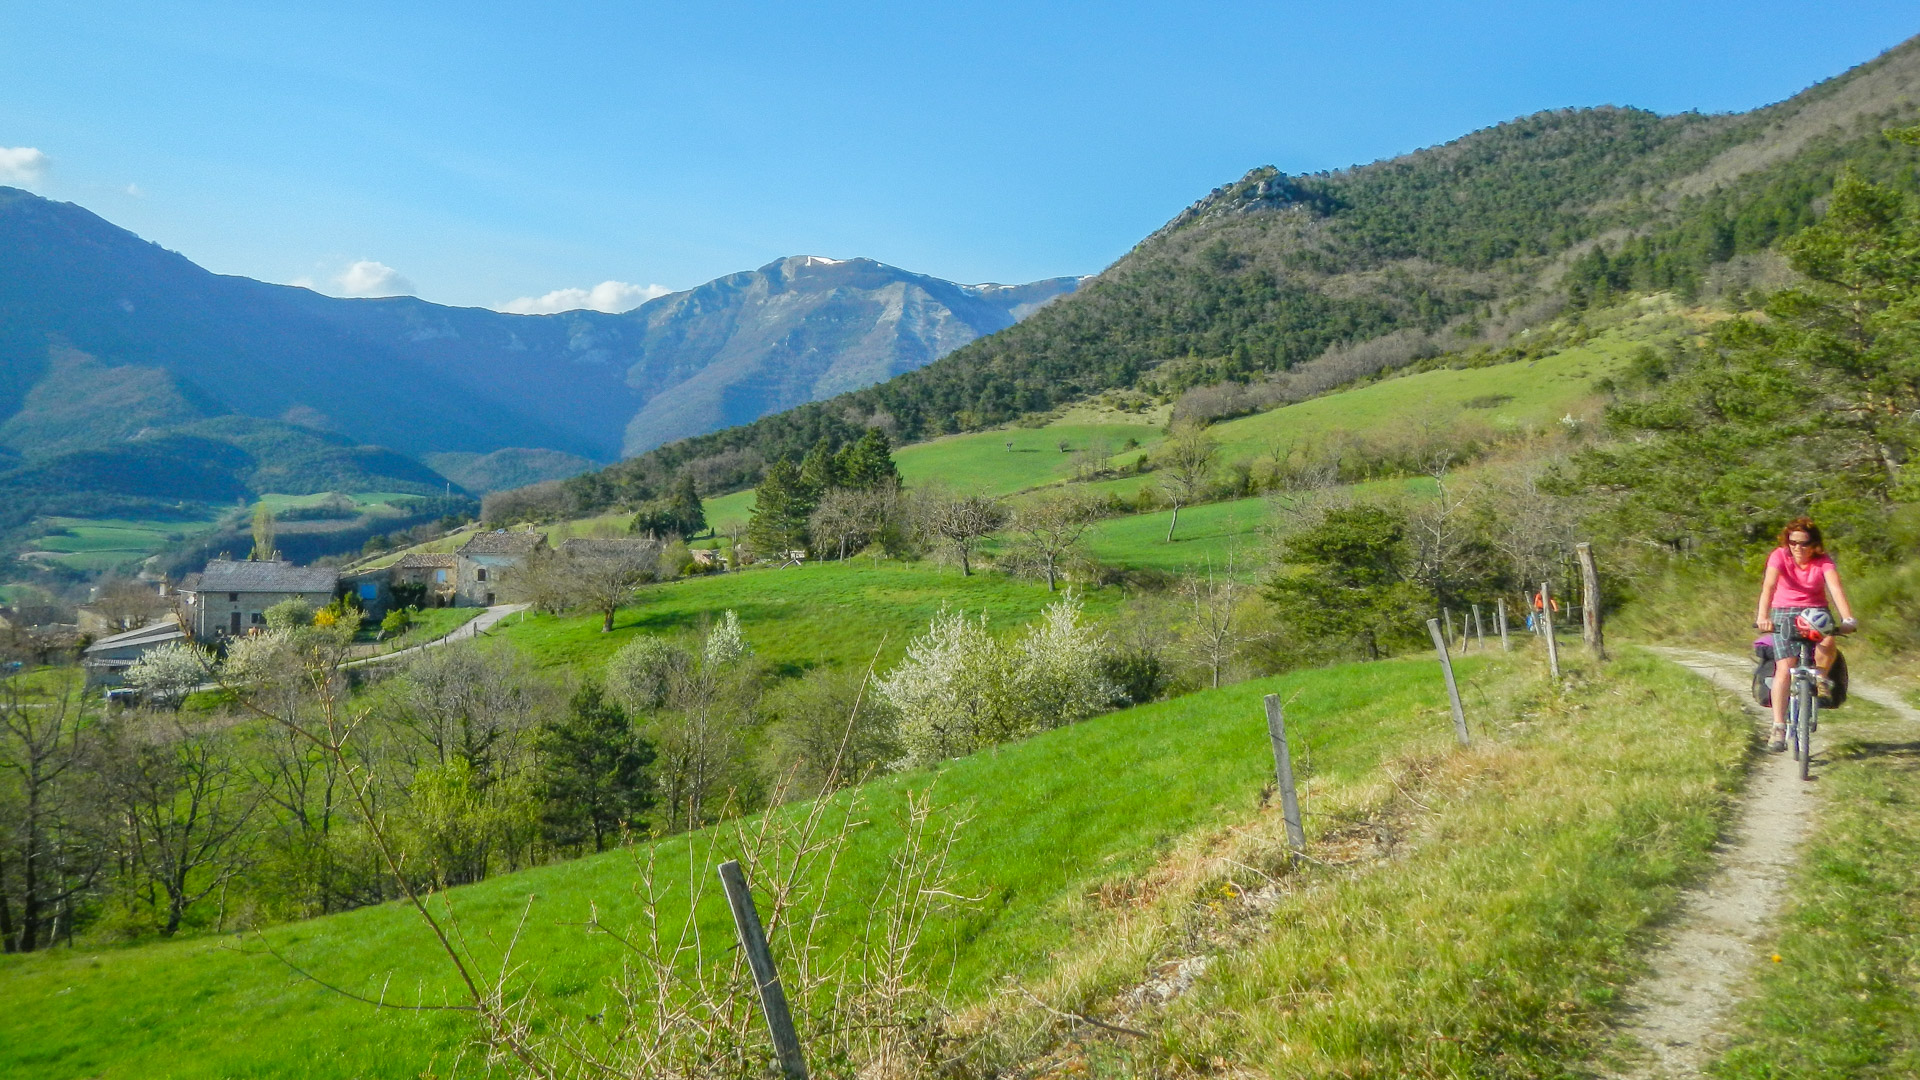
pixel 436 575
pixel 231 598
pixel 480 562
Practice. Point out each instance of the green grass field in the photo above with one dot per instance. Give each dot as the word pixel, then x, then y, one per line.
pixel 93 544
pixel 1048 816
pixel 827 614
pixel 982 462
pixel 1497 938
pixel 1536 394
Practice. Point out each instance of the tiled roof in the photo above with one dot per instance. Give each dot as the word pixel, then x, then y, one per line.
pixel 425 560
pixel 222 575
pixel 501 542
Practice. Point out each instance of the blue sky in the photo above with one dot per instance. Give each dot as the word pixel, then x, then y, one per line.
pixel 480 153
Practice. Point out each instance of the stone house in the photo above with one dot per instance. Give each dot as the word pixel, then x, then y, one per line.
pixel 435 576
pixel 481 561
pixel 107 660
pixel 230 598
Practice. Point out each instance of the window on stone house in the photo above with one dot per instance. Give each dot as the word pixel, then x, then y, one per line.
pixel 233 598
pixel 439 577
pixel 480 574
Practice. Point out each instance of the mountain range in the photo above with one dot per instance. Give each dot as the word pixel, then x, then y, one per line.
pixel 109 342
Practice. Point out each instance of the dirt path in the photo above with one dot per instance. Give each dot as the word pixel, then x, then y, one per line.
pixel 1678 1014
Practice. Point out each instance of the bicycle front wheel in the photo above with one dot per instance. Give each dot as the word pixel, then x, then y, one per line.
pixel 1803 706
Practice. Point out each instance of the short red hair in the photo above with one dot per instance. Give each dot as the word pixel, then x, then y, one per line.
pixel 1804 524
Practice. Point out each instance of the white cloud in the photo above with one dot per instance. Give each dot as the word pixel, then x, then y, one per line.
pixel 136 191
pixel 369 278
pixel 22 164
pixel 612 297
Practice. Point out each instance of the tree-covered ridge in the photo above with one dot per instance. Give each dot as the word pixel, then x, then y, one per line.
pixel 1273 270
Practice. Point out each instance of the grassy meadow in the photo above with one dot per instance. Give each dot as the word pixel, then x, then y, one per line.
pixel 96 544
pixel 1501 925
pixel 825 614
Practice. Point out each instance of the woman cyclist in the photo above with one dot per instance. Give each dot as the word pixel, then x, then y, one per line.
pixel 1800 577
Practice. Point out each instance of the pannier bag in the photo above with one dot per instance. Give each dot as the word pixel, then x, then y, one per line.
pixel 1763 676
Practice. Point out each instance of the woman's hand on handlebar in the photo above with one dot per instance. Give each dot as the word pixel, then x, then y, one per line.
pixel 1847 626
pixel 1764 624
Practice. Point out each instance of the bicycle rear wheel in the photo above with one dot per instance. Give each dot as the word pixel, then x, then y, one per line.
pixel 1803 706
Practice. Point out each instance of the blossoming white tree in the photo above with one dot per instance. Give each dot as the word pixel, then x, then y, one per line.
pixel 959 689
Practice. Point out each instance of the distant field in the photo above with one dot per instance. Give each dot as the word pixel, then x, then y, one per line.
pixel 1211 535
pixel 1509 397
pixel 982 461
pixel 93 544
pixel 364 499
pixel 829 614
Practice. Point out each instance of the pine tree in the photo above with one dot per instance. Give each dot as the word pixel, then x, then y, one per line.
pixel 594 771
pixel 684 503
pixel 780 511
pixel 819 472
pixel 867 463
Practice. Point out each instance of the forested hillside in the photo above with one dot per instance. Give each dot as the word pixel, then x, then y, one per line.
pixel 1368 268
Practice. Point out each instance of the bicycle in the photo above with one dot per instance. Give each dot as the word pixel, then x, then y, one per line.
pixel 1803 701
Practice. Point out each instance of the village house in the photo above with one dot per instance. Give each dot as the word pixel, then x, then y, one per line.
pixel 106 661
pixel 432 577
pixel 481 560
pixel 231 598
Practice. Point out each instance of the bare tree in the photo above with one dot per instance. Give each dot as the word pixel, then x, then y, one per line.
pixel 1050 528
pixel 463 702
pixel 186 802
pixel 1213 631
pixel 598 574
pixel 958 523
pixel 45 843
pixel 606 572
pixel 126 604
pixel 1530 529
pixel 842 520
pixel 1439 530
pixel 1091 460
pixel 542 581
pixel 1186 461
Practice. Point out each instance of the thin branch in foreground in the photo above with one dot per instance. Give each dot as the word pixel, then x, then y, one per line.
pixel 379 1003
pixel 1135 1032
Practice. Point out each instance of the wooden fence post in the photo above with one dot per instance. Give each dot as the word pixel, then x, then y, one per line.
pixel 1446 620
pixel 1501 616
pixel 1283 772
pixel 773 1000
pixel 1479 632
pixel 1453 688
pixel 1590 602
pixel 1546 627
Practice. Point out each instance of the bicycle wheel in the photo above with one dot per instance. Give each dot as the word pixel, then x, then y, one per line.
pixel 1803 706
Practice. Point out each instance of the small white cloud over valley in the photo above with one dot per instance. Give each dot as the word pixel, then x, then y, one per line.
pixel 22 164
pixel 612 297
pixel 369 278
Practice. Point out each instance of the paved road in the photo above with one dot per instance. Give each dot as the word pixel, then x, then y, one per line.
pixel 466 631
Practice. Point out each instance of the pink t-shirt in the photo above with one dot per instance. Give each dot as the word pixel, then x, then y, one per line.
pixel 1799 587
